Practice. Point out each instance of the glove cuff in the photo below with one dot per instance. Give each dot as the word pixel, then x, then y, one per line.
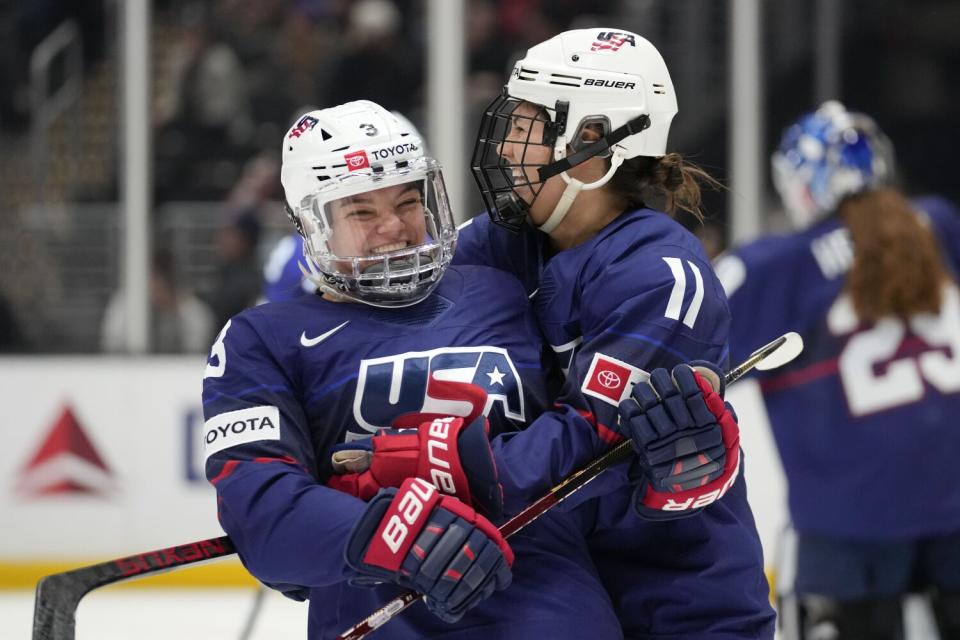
pixel 712 374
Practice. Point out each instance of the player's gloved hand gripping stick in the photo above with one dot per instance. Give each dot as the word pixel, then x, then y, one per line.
pixel 420 539
pixel 686 440
pixel 770 356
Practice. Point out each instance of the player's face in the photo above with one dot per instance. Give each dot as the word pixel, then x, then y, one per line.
pixel 523 149
pixel 376 222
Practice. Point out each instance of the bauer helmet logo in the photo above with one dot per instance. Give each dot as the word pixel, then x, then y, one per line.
pixel 306 123
pixel 356 160
pixel 611 84
pixel 612 41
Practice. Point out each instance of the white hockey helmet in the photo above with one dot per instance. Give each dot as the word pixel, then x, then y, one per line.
pixel 827 155
pixel 613 79
pixel 372 208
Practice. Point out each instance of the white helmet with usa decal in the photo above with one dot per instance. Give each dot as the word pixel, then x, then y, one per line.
pixel 369 203
pixel 609 79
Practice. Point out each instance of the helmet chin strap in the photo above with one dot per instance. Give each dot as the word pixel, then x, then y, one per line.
pixel 574 186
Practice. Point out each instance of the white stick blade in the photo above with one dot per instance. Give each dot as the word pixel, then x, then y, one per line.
pixel 790 349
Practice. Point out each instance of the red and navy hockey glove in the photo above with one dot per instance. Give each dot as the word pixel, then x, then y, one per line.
pixel 454 456
pixel 419 539
pixel 686 439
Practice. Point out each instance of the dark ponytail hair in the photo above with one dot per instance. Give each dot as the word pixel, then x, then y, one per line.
pixel 897 268
pixel 670 181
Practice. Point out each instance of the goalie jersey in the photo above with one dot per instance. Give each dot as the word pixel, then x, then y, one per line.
pixel 287 380
pixel 866 417
pixel 637 296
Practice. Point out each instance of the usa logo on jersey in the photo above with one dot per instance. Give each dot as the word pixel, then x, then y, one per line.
pixel 397 385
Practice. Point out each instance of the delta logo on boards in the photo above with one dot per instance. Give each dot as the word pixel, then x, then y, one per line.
pixel 66 463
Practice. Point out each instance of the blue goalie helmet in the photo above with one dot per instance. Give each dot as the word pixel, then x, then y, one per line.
pixel 824 157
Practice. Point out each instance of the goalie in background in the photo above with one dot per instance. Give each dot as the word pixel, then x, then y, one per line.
pixel 865 419
pixel 393 336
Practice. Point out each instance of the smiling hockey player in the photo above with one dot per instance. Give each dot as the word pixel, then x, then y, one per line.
pixel 567 160
pixel 394 336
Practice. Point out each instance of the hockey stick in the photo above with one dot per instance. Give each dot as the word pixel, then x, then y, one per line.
pixel 770 356
pixel 58 595
pixel 254 613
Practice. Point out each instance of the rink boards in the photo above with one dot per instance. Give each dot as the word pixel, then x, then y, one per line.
pixel 100 459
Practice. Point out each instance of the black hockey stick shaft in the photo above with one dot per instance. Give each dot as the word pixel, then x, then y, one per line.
pixel 58 595
pixel 569 485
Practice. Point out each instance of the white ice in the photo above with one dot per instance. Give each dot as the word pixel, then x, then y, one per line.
pixel 221 614
pixel 165 614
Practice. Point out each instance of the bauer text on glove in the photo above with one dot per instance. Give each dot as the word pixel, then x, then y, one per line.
pixel 450 453
pixel 686 438
pixel 419 539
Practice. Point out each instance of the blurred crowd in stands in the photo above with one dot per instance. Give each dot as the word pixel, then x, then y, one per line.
pixel 228 77
pixel 230 74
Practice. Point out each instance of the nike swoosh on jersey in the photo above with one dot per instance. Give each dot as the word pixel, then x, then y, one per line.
pixel 312 342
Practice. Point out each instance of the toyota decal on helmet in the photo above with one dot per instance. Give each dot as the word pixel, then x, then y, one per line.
pixel 348 173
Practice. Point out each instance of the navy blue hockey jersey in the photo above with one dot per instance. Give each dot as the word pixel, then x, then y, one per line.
pixel 865 418
pixel 287 380
pixel 282 278
pixel 637 296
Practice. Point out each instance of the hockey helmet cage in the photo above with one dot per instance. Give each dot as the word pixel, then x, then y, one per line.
pixel 350 172
pixel 614 79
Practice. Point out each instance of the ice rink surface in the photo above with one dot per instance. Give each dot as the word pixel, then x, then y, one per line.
pixel 222 614
pixel 165 614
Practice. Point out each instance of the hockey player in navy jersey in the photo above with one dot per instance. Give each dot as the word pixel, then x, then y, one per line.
pixel 865 419
pixel 388 342
pixel 568 156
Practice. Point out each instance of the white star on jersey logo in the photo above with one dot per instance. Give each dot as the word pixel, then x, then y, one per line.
pixel 496 377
